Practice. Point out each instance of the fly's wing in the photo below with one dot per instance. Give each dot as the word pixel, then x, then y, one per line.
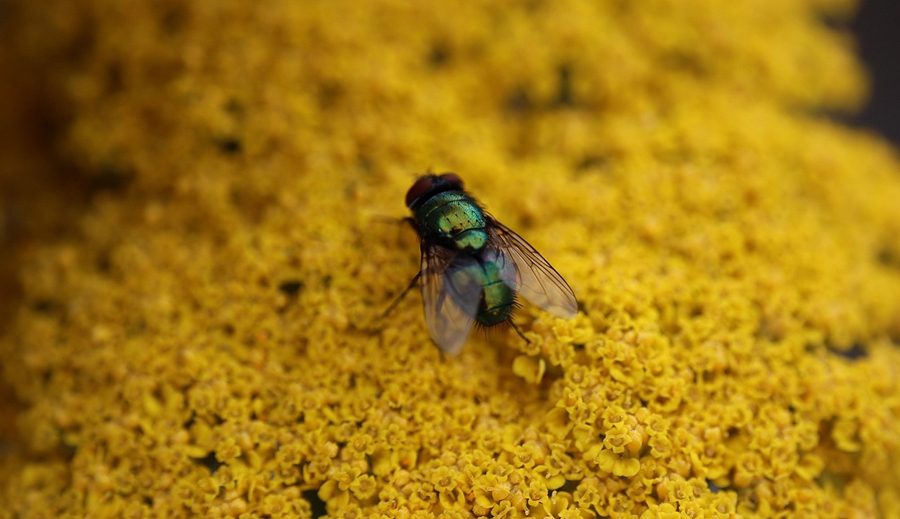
pixel 527 272
pixel 451 301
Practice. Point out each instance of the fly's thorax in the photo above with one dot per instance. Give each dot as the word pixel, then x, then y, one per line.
pixel 455 218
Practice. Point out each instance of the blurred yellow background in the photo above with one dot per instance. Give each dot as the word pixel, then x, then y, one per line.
pixel 195 261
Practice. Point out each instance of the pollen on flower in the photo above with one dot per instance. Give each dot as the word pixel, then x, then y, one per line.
pixel 193 323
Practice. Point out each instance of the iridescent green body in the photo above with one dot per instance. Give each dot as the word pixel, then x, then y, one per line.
pixel 497 299
pixel 453 220
pixel 473 268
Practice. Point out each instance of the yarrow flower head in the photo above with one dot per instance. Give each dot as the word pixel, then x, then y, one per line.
pixel 195 323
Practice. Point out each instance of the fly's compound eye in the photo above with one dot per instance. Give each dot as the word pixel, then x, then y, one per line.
pixel 418 189
pixel 453 178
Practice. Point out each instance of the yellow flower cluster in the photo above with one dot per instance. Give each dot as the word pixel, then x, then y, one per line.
pixel 207 339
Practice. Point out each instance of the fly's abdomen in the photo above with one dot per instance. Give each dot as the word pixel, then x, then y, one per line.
pixel 497 300
pixel 479 280
pixel 455 218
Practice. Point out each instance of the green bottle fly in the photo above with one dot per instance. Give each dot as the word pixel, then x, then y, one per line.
pixel 473 267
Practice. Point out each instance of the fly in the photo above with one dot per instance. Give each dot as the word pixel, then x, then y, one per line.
pixel 473 268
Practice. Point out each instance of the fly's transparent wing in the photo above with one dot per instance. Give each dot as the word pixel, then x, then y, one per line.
pixel 450 295
pixel 528 273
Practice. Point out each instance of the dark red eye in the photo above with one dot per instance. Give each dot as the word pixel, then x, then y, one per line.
pixel 453 178
pixel 418 189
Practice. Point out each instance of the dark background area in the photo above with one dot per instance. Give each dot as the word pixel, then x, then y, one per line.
pixel 877 29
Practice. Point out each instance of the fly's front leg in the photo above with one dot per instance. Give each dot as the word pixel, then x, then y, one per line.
pixel 391 219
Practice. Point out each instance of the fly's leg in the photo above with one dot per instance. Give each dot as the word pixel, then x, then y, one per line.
pixel 376 328
pixel 522 335
pixel 395 221
pixel 402 295
pixel 411 223
pixel 392 220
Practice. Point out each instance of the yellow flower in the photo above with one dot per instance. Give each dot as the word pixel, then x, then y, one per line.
pixel 529 368
pixel 537 493
pixel 209 487
pixel 422 495
pixel 331 492
pixel 288 455
pixel 194 323
pixel 346 475
pixel 364 487
pixel 452 500
pixel 361 445
pixel 443 479
pixel 504 510
pixel 660 446
pixel 587 494
pixel 749 467
pixel 616 464
pixel 557 421
pixel 275 505
pixel 227 450
pixel 639 489
pixel 622 437
pixel 662 511
pixel 810 466
pixel 844 434
pixel 723 505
